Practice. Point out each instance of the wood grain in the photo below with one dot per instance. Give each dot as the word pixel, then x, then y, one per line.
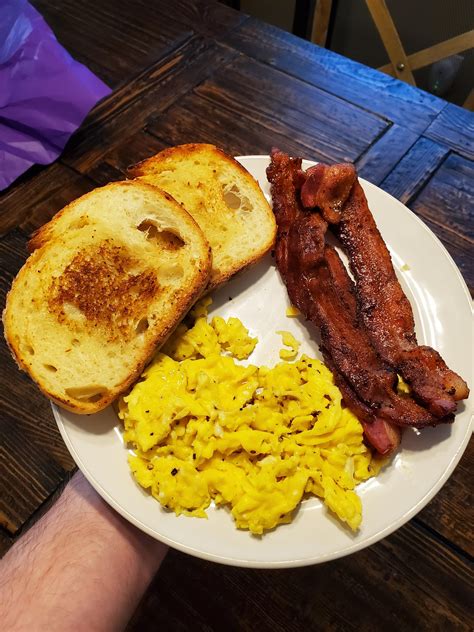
pixel 137 147
pixel 384 587
pixel 448 197
pixel 94 32
pixel 6 541
pixel 20 398
pixel 33 457
pixel 454 127
pixel 445 204
pixel 126 111
pixel 29 473
pixel 384 154
pixel 198 119
pixel 414 170
pixel 459 247
pixel 391 40
pixel 362 86
pixel 38 195
pixel 451 512
pixel 194 70
pixel 293 108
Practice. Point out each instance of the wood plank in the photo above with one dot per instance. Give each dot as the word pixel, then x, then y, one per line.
pixel 437 52
pixel 451 512
pixel 454 127
pixel 397 584
pixel 321 18
pixel 6 541
pixel 23 401
pixel 197 119
pixel 445 202
pixel 358 84
pixel 35 197
pixel 459 247
pixel 29 474
pixel 448 197
pixel 150 92
pixel 205 17
pixel 137 147
pixel 19 397
pixel 94 32
pixel 381 157
pixel 414 170
pixel 391 40
pixel 253 91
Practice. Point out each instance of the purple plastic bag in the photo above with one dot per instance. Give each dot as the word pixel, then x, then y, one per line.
pixel 44 93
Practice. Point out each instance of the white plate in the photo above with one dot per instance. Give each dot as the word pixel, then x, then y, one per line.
pixel 442 308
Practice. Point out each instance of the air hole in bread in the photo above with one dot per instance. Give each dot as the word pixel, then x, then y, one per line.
pixel 234 199
pixel 165 239
pixel 75 342
pixel 142 326
pixel 87 393
pixel 51 368
pixel 29 349
pixel 79 223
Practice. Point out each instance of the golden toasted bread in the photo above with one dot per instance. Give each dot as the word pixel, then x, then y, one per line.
pixel 109 278
pixel 223 198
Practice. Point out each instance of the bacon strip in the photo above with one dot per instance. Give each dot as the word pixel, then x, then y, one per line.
pixel 328 187
pixel 316 284
pixel 387 313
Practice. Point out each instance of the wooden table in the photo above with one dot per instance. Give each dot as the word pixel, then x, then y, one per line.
pixel 193 70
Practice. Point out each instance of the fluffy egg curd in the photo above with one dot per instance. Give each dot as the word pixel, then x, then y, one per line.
pixel 205 428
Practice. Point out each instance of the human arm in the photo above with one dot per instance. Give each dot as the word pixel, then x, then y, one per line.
pixel 81 567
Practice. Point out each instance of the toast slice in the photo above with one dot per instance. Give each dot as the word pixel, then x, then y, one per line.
pixel 223 198
pixel 109 278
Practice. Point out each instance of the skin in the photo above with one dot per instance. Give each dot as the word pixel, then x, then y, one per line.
pixel 81 567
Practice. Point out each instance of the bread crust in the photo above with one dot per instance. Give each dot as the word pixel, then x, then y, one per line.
pixel 51 239
pixel 178 155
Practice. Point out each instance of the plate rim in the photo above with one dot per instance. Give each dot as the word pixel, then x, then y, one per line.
pixel 320 558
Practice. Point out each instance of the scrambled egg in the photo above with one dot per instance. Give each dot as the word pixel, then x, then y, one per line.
pixel 289 341
pixel 205 428
pixel 292 312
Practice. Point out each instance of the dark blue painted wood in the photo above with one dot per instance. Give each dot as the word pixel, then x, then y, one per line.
pixel 366 87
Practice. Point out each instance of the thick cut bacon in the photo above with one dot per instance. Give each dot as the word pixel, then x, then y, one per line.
pixel 387 313
pixel 328 188
pixel 383 435
pixel 352 352
pixel 317 285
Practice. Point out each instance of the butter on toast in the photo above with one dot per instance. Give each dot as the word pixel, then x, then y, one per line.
pixel 109 278
pixel 224 199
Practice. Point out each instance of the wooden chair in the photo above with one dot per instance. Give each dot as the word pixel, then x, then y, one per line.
pixel 401 65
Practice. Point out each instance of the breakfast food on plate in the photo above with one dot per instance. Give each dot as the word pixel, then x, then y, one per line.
pixel 387 313
pixel 223 198
pixel 367 328
pixel 255 439
pixel 115 271
pixel 110 276
pixel 113 274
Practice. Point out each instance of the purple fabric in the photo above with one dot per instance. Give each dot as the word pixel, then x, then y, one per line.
pixel 44 93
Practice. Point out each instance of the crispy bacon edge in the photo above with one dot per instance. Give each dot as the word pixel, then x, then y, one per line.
pixel 284 175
